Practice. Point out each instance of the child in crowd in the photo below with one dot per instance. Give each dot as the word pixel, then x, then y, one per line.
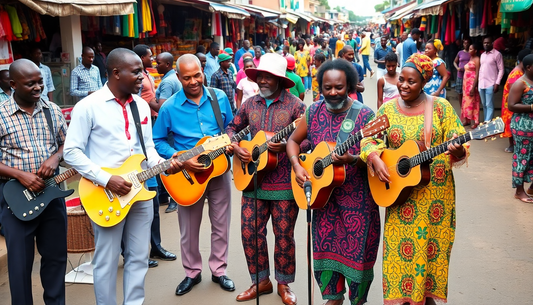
pixel 387 84
pixel 319 60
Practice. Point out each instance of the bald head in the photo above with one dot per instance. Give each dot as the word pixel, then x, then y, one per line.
pixel 118 58
pixel 186 59
pixel 22 67
pixel 164 62
pixel 27 81
pixel 201 57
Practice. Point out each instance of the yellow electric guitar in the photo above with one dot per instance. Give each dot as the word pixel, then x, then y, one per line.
pixel 107 209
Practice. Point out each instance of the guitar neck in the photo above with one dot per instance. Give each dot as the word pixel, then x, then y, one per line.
pixel 343 148
pixel 163 166
pixel 62 177
pixel 437 150
pixel 236 138
pixel 280 135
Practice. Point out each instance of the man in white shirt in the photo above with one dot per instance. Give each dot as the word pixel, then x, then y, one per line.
pixel 102 133
pixel 399 50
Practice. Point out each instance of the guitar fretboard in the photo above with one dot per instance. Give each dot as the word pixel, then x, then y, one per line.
pixel 236 138
pixel 437 150
pixel 62 177
pixel 342 148
pixel 163 166
pixel 278 137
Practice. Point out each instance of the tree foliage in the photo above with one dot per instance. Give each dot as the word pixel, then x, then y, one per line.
pixel 324 3
pixel 382 6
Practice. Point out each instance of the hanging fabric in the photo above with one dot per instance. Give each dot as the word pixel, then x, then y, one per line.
pixel 153 32
pixel 15 22
pixel 216 24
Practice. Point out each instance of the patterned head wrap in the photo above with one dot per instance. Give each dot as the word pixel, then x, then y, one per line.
pixel 422 63
pixel 438 44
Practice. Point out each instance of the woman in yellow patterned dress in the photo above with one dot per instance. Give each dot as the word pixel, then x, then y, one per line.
pixel 418 234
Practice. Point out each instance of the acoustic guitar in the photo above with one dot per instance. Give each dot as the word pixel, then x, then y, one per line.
pixel 107 209
pixel 187 188
pixel 409 164
pixel 27 205
pixel 262 159
pixel 324 175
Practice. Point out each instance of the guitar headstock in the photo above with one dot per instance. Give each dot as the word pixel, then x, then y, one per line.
pixel 376 126
pixel 492 128
pixel 216 142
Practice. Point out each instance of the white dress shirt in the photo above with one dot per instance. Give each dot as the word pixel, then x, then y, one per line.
pixel 97 137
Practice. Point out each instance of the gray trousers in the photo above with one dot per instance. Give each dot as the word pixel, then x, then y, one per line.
pixel 134 230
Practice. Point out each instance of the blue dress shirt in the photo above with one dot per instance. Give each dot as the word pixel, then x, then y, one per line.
pixel 409 48
pixel 170 84
pixel 211 66
pixel 47 81
pixel 188 121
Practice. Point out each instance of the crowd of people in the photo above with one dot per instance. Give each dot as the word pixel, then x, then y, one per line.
pixel 262 87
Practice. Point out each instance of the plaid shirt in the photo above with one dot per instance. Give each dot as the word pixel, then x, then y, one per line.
pixel 283 111
pixel 25 139
pixel 225 82
pixel 83 80
pixel 4 96
pixel 47 81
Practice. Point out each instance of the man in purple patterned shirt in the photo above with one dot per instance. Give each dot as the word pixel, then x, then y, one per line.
pixel 272 109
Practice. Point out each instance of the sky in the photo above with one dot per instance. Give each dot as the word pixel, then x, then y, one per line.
pixel 359 7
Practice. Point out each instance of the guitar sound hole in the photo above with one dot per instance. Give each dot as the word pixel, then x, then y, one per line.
pixel 318 168
pixel 404 167
pixel 205 160
pixel 255 154
pixel 251 168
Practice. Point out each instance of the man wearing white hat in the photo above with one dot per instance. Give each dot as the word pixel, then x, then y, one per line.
pixel 272 109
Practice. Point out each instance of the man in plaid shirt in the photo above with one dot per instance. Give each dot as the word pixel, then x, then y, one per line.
pixel 85 78
pixel 223 79
pixel 30 153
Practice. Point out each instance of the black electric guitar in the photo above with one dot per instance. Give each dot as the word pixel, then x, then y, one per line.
pixel 27 205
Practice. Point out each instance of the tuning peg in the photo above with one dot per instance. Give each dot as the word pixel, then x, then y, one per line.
pixel 493 138
pixel 486 140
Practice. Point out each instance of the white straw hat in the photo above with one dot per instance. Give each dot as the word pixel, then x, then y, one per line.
pixel 274 64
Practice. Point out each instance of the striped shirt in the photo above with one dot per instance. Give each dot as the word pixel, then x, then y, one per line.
pixel 83 80
pixel 47 81
pixel 25 139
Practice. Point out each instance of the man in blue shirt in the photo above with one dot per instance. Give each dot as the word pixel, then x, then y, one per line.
pixel 37 56
pixel 5 87
pixel 85 78
pixel 211 65
pixel 348 54
pixel 189 115
pixel 245 48
pixel 409 45
pixel 379 56
pixel 169 83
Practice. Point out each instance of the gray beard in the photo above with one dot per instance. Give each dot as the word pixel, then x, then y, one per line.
pixel 267 93
pixel 338 106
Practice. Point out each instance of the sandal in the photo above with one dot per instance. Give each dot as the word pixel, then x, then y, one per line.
pixel 526 200
pixel 510 149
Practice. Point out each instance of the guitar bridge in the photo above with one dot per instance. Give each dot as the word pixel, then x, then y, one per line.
pixel 109 194
pixel 29 195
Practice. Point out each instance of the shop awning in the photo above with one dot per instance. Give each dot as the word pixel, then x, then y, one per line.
pixel 81 7
pixel 303 16
pixel 290 17
pixel 265 13
pixel 229 11
pixel 408 10
pixel 392 11
pixel 514 6
pixel 430 8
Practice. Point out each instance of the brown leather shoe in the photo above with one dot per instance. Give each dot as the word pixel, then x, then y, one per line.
pixel 287 296
pixel 265 287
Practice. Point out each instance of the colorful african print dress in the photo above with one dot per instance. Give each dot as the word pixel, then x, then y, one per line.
pixel 436 80
pixel 522 130
pixel 419 234
pixel 346 231
pixel 506 113
pixel 470 104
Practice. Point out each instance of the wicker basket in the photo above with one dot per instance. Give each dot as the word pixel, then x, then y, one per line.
pixel 80 236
